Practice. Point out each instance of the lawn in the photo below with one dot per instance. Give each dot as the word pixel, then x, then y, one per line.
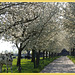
pixel 72 58
pixel 28 66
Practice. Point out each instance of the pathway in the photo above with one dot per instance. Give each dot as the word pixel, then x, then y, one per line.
pixel 60 65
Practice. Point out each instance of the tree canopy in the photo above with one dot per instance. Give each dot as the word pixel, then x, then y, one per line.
pixel 44 25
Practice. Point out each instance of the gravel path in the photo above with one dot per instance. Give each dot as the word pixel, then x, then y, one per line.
pixel 60 65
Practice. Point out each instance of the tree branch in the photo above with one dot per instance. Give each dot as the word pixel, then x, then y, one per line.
pixel 19 22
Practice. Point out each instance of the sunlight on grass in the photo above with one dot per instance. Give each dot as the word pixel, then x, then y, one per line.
pixel 28 66
pixel 72 58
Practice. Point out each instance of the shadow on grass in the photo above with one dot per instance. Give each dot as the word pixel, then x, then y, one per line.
pixel 28 66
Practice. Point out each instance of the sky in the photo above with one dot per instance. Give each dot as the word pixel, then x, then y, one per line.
pixel 4 45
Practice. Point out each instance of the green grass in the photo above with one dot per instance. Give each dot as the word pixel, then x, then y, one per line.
pixel 28 66
pixel 72 58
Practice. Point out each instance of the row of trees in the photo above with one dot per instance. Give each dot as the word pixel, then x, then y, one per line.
pixel 69 24
pixel 38 26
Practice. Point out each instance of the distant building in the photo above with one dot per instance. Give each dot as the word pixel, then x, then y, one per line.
pixel 64 52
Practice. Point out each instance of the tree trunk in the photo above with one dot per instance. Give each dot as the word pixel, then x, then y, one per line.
pixel 73 52
pixel 37 59
pixel 55 54
pixel 43 55
pixel 52 54
pixel 28 53
pixel 33 57
pixel 46 54
pixel 49 54
pixel 19 60
pixel 39 54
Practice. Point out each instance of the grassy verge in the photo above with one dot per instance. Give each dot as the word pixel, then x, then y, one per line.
pixel 72 58
pixel 28 66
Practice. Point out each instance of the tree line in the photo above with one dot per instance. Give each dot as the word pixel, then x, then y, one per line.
pixel 38 26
